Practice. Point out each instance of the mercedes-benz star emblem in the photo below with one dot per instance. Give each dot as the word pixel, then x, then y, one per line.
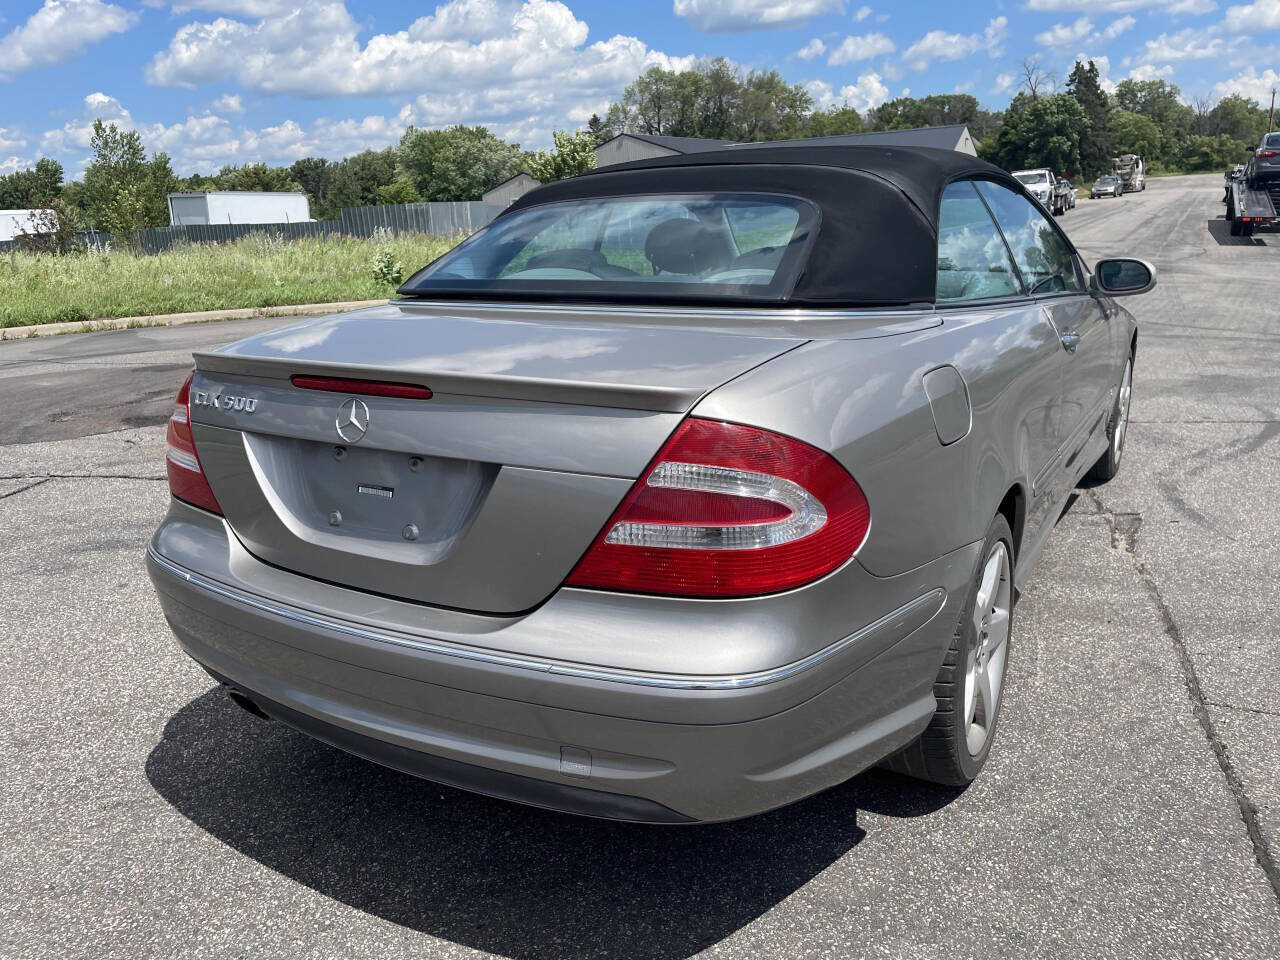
pixel 353 420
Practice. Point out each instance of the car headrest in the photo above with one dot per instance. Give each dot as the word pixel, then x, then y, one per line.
pixel 687 247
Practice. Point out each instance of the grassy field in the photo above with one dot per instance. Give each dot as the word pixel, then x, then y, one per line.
pixel 259 271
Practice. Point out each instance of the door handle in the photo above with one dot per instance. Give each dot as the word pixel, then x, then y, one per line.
pixel 1070 340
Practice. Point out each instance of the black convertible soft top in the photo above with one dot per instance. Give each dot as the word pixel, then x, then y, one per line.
pixel 877 243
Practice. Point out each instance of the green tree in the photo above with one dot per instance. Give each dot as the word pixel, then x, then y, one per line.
pixel 29 189
pixel 833 122
pixel 257 177
pixel 356 180
pixel 458 163
pixel 314 175
pixel 401 191
pixel 126 192
pixel 907 113
pixel 572 155
pixel 714 100
pixel 1161 103
pixel 1239 118
pixel 1212 153
pixel 1041 131
pixel 598 129
pixel 1137 133
pixel 1097 143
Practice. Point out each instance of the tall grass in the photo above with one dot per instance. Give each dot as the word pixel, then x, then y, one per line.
pixel 259 271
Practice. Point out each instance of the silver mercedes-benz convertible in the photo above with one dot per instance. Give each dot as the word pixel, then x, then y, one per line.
pixel 683 490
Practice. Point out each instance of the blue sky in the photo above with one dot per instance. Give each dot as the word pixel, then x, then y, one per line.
pixel 238 81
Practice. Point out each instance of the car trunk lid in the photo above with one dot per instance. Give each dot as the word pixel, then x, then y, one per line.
pixel 482 497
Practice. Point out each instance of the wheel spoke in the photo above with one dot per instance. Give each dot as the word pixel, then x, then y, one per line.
pixel 970 691
pixel 983 681
pixel 997 630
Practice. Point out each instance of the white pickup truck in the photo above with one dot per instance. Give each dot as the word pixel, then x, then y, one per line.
pixel 1055 194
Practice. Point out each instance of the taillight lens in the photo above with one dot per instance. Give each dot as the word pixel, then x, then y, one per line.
pixel 186 477
pixel 1266 154
pixel 727 510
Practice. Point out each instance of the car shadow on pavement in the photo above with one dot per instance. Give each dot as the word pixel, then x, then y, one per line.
pixel 1220 230
pixel 493 875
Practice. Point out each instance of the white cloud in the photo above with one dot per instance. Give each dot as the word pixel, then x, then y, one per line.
pixel 228 103
pixel 1065 35
pixel 1004 83
pixel 59 31
pixel 1253 17
pixel 865 47
pixel 1121 6
pixel 1150 72
pixel 11 139
pixel 811 50
pixel 940 45
pixel 1118 26
pixel 1188 44
pixel 1256 86
pixel 237 8
pixel 14 164
pixel 521 66
pixel 207 142
pixel 715 16
pixel 862 14
pixel 869 91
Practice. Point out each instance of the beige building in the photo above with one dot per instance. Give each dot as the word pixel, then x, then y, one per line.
pixel 510 190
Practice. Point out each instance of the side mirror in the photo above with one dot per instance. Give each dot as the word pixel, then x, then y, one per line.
pixel 1124 277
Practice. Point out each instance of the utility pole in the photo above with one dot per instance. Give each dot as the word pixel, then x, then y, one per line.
pixel 1272 115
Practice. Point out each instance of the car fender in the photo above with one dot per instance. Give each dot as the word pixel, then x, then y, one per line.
pixel 865 402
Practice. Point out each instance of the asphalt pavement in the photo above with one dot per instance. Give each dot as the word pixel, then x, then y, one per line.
pixel 1131 806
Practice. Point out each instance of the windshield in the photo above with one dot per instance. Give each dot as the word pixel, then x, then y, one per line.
pixel 1106 181
pixel 707 246
pixel 1033 178
pixel 1272 140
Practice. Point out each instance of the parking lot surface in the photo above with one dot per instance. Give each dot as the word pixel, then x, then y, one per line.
pixel 1131 807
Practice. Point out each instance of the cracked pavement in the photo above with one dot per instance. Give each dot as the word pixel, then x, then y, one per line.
pixel 1130 808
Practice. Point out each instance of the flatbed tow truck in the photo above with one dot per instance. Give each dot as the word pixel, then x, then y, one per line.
pixel 1250 206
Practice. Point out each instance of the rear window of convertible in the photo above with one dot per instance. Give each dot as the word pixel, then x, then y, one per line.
pixel 699 246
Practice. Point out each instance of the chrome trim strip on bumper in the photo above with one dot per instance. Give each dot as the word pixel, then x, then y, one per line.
pixel 915 613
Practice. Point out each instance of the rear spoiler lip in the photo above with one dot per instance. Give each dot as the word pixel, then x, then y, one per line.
pixel 670 399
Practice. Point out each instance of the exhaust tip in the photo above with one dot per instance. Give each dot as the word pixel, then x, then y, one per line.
pixel 242 700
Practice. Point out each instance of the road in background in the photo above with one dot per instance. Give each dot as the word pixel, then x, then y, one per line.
pixel 1130 808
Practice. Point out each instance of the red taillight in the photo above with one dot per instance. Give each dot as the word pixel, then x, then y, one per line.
pixel 186 477
pixel 727 510
pixel 368 388
pixel 1265 154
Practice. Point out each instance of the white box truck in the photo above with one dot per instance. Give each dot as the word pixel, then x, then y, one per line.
pixel 237 206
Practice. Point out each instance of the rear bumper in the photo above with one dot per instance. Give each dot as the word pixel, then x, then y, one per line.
pixel 582 738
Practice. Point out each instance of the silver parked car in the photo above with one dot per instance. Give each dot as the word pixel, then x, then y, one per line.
pixel 1264 165
pixel 683 490
pixel 1107 186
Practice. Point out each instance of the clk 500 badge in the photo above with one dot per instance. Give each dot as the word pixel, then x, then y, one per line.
pixel 223 401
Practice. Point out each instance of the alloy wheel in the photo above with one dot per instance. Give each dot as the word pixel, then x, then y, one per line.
pixel 1122 412
pixel 984 678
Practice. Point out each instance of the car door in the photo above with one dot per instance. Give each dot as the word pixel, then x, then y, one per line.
pixel 1049 268
pixel 1012 353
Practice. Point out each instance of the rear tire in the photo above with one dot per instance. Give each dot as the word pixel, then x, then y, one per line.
pixel 1108 464
pixel 969 688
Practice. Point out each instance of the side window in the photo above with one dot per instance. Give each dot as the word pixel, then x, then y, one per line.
pixel 973 261
pixel 1042 255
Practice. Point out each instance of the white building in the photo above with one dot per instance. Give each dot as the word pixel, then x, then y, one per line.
pixel 237 206
pixel 14 222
